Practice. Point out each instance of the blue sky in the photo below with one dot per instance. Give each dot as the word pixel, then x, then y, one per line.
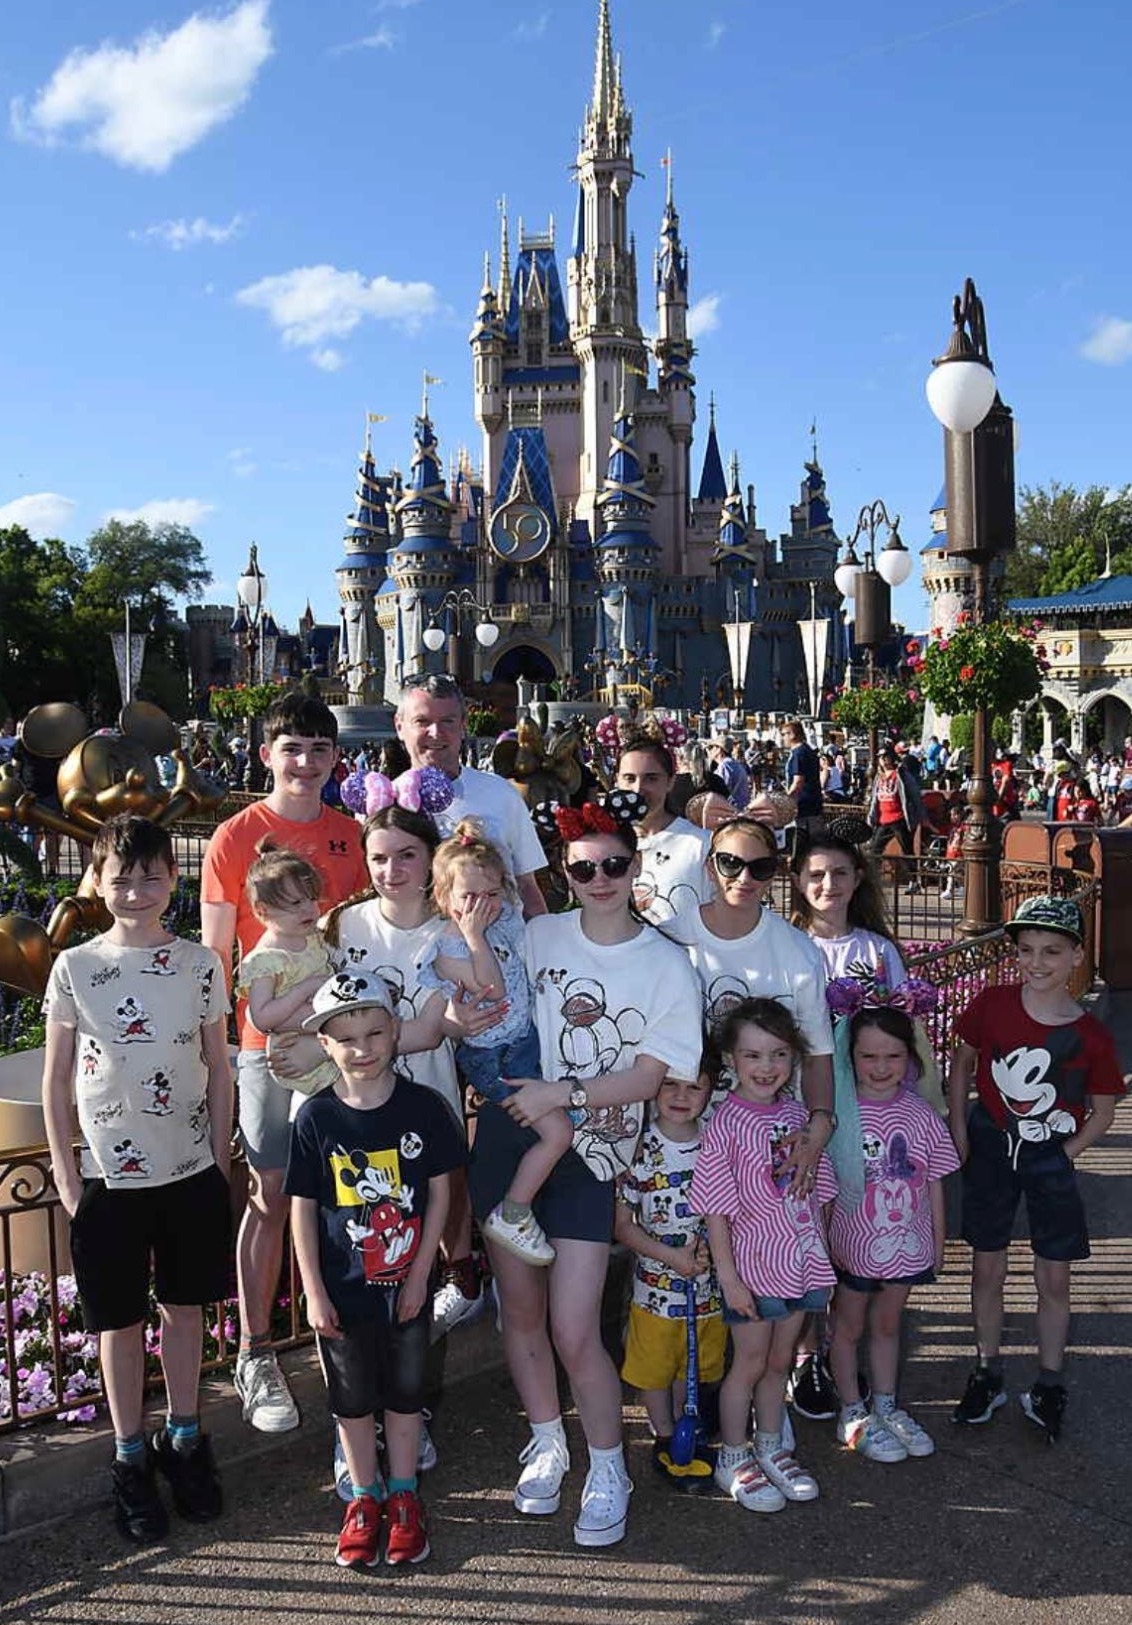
pixel 230 233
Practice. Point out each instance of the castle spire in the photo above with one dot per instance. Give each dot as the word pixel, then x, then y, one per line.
pixel 606 77
pixel 504 258
pixel 713 486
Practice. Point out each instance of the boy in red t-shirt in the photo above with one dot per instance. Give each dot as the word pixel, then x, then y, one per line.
pixel 1047 1082
pixel 301 749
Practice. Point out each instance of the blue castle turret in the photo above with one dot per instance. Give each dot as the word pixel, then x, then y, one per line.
pixel 627 562
pixel 361 575
pixel 424 559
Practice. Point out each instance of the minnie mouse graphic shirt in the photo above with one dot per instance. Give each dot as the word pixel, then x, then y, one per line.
pixel 1035 1080
pixel 889 1236
pixel 369 1172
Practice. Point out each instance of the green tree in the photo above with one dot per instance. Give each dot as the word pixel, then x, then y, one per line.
pixel 1067 537
pixel 147 566
pixel 39 659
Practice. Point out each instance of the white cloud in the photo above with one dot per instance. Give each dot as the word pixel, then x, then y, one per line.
pixel 178 234
pixel 145 104
pixel 715 33
pixel 532 29
pixel 383 39
pixel 396 5
pixel 45 513
pixel 1110 342
pixel 314 303
pixel 165 511
pixel 241 462
pixel 703 316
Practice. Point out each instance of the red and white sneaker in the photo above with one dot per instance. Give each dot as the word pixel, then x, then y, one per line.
pixel 408 1530
pixel 360 1538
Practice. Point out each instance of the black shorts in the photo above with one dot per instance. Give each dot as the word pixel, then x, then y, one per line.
pixel 573 1205
pixel 181 1232
pixel 999 1171
pixel 874 1283
pixel 377 1364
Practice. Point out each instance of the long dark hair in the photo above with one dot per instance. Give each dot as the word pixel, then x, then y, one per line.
pixel 893 1023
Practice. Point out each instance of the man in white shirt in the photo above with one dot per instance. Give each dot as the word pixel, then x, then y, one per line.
pixel 431 723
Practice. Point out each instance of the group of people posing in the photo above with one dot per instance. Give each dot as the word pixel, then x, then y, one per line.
pixel 748 1105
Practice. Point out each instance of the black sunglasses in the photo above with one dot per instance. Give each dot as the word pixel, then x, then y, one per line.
pixel 613 867
pixel 731 866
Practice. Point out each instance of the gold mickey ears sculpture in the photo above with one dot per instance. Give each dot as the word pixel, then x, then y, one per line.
pixel 100 775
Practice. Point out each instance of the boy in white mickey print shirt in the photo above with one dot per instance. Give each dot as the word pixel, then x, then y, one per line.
pixel 137 1042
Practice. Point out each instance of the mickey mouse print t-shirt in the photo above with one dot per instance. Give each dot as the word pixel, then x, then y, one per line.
pixel 1035 1080
pixel 369 1172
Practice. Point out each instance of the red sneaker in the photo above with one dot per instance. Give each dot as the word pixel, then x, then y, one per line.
pixel 408 1530
pixel 361 1535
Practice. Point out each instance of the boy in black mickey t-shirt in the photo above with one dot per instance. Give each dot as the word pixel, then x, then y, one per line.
pixel 368 1178
pixel 1047 1081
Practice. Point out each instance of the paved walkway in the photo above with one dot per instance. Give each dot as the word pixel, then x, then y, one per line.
pixel 996 1526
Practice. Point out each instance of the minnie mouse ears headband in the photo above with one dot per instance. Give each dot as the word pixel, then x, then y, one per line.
pixel 846 995
pixel 419 789
pixel 602 817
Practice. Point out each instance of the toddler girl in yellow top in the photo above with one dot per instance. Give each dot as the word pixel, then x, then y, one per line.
pixel 290 961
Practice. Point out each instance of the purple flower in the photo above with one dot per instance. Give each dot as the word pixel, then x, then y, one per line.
pixel 844 995
pixel 435 790
pixel 916 996
pixel 353 791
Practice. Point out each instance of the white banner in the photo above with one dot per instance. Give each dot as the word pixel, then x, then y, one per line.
pixel 738 634
pixel 815 642
pixel 128 686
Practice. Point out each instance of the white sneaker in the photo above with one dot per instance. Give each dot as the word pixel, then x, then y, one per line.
pixel 788 1475
pixel 525 1238
pixel 268 1404
pixel 451 1308
pixel 604 1511
pixel 546 1461
pixel 749 1485
pixel 426 1451
pixel 869 1437
pixel 909 1432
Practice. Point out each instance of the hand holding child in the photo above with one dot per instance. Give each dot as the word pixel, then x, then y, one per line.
pixel 692 1259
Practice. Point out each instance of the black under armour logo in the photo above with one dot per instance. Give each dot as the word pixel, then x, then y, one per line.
pixel 338 849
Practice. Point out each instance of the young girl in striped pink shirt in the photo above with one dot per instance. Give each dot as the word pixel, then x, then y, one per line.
pixel 768 1245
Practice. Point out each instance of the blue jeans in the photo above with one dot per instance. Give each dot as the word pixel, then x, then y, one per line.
pixel 485 1069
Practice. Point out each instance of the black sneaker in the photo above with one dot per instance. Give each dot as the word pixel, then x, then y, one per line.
pixel 812 1393
pixel 1045 1405
pixel 983 1396
pixel 192 1477
pixel 138 1509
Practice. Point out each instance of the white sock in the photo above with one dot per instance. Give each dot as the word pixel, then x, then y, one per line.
pixel 884 1404
pixel 733 1455
pixel 854 1412
pixel 550 1430
pixel 767 1444
pixel 614 1457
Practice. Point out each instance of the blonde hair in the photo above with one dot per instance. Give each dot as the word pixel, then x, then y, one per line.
pixel 467 845
pixel 277 876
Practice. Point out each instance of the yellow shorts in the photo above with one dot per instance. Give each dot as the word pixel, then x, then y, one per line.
pixel 656 1349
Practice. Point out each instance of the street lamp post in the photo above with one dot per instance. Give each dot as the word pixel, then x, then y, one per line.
pixel 869 585
pixel 251 591
pixel 979 458
pixel 452 607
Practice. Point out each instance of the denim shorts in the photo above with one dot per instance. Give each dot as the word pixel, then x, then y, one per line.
pixel 485 1068
pixel 378 1363
pixel 813 1302
pixel 1000 1171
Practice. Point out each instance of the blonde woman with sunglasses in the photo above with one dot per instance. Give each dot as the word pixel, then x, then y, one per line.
pixel 740 949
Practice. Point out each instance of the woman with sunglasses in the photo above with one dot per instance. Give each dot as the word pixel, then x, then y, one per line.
pixel 671 849
pixel 616 1007
pixel 741 949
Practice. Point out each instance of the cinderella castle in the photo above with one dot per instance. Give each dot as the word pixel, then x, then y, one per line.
pixel 582 553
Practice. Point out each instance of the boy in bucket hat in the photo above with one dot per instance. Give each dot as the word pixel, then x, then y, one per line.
pixel 1046 1082
pixel 368 1177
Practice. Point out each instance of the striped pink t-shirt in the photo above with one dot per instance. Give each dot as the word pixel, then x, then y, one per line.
pixel 777 1240
pixel 889 1236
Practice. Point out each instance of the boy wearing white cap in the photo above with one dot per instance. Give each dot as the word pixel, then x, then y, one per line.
pixel 368 1177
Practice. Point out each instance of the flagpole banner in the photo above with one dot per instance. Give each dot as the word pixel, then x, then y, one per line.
pixel 738 634
pixel 815 644
pixel 128 686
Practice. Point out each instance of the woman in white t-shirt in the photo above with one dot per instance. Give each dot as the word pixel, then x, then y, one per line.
pixel 739 949
pixel 616 1007
pixel 671 849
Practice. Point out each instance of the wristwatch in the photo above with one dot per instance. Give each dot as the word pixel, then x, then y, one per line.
pixel 824 1111
pixel 579 1097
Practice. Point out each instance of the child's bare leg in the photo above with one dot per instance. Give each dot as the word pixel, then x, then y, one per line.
pixel 402 1443
pixel 770 1391
pixel 751 1343
pixel 122 1354
pixel 1051 1277
pixel 359 1446
pixel 988 1281
pixel 850 1311
pixel 182 1333
pixel 661 1405
pixel 884 1337
pixel 555 1134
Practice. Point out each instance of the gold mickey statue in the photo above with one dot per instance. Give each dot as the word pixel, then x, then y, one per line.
pixel 539 773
